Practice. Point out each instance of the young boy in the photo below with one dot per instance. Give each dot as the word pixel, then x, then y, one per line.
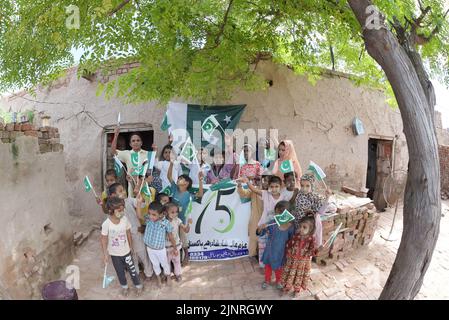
pixel 156 231
pixel 111 177
pixel 116 241
pixel 290 191
pixel 139 252
pixel 182 197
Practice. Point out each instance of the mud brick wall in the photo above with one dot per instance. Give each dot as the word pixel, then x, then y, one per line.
pixel 357 230
pixel 48 137
pixel 37 236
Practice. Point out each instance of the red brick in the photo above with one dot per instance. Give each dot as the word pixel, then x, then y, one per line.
pixel 17 127
pixel 27 127
pixel 10 127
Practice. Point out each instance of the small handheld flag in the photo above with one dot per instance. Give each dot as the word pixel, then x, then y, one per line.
pixel 188 152
pixel 284 218
pixel 165 125
pixel 119 119
pixel 242 160
pixel 146 189
pixel 210 124
pixel 151 158
pixel 88 186
pixel 333 236
pixel 118 166
pixel 167 191
pixel 107 279
pixel 135 161
pixel 317 171
pixel 270 154
pixel 286 166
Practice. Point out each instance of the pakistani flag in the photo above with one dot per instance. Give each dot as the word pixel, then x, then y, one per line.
pixel 284 218
pixel 107 279
pixel 270 154
pixel 317 171
pixel 146 189
pixel 167 191
pixel 210 120
pixel 286 166
pixel 118 166
pixel 87 184
pixel 151 159
pixel 188 152
pixel 135 162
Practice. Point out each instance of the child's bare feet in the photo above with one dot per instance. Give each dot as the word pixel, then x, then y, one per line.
pixel 124 292
pixel 139 291
pixel 159 282
pixel 264 285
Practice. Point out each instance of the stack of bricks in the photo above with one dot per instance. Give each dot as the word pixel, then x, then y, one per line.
pixel 358 226
pixel 48 137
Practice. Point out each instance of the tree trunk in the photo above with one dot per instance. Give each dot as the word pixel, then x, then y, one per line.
pixel 422 206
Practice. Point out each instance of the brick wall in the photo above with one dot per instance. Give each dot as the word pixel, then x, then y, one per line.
pixel 48 137
pixel 444 167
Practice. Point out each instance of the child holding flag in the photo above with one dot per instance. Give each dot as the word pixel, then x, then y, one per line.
pixel 270 198
pixel 287 161
pixel 156 230
pixel 277 237
pixel 299 252
pixel 110 177
pixel 182 197
pixel 139 252
pixel 116 241
pixel 307 201
pixel 163 164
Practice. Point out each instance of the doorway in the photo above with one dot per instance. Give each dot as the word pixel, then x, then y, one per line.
pixel 379 168
pixel 126 130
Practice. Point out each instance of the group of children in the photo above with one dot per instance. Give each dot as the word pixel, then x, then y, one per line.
pixel 146 228
pixel 150 228
pixel 286 249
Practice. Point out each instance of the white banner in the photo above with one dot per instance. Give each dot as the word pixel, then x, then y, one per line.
pixel 220 226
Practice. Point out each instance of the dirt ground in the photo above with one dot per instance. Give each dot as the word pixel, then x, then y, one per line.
pixel 360 276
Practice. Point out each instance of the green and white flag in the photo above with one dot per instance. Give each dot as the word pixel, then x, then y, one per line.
pixel 135 162
pixel 87 185
pixel 188 152
pixel 270 154
pixel 286 166
pixel 118 166
pixel 151 159
pixel 167 191
pixel 146 189
pixel 317 171
pixel 183 116
pixel 284 218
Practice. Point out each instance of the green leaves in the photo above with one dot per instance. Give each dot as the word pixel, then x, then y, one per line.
pixel 199 50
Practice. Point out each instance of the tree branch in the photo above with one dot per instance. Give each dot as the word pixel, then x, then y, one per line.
pixel 223 25
pixel 119 7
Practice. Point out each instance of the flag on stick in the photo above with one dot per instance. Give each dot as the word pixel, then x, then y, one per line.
pixel 167 191
pixel 317 171
pixel 118 166
pixel 119 119
pixel 188 152
pixel 88 186
pixel 286 166
pixel 151 158
pixel 284 218
pixel 210 124
pixel 107 279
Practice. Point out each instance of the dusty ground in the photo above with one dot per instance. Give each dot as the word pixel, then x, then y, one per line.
pixel 361 276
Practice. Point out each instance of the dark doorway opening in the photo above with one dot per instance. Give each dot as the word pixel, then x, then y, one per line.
pixel 379 168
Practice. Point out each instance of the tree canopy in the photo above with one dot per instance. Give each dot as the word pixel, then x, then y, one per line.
pixel 203 49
